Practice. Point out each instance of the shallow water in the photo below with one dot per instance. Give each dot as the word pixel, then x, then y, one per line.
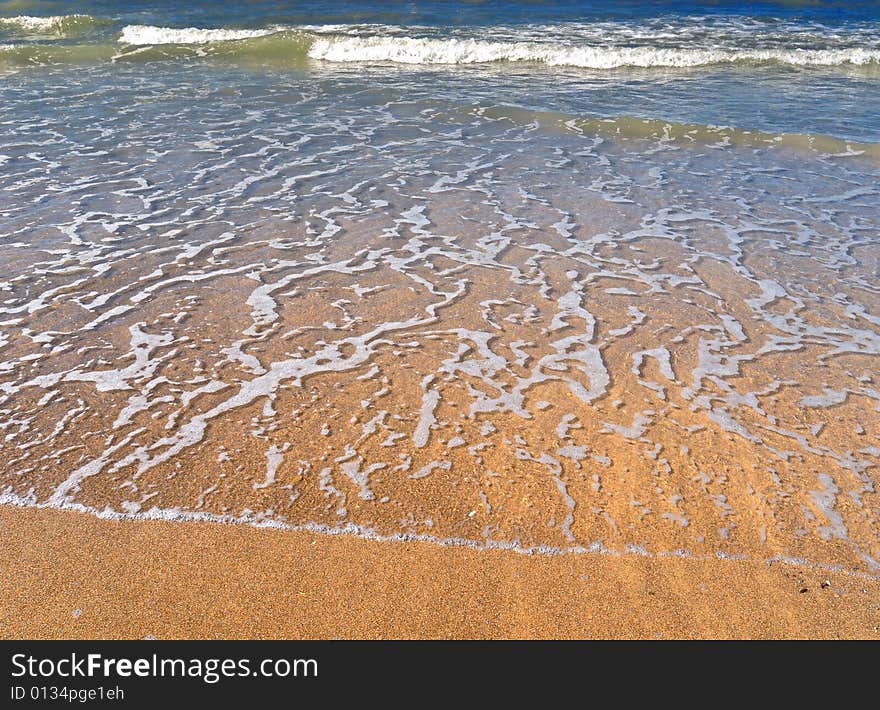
pixel 499 304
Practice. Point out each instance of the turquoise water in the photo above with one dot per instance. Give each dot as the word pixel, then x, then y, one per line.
pixel 548 276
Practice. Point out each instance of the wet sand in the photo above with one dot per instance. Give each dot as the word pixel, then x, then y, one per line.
pixel 71 575
pixel 655 355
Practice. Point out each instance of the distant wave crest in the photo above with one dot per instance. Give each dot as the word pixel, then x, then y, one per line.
pixel 148 35
pixel 61 25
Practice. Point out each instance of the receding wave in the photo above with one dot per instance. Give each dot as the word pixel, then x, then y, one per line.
pixel 672 131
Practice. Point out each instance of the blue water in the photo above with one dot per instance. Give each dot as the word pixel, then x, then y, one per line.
pixel 444 13
pixel 806 67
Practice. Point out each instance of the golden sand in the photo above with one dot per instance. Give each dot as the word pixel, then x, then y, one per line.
pixel 71 575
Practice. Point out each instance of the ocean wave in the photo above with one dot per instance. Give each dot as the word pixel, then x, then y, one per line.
pixel 61 25
pixel 293 45
pixel 141 35
pixel 393 48
pixel 409 50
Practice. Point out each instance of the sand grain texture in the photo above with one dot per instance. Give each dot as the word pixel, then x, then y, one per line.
pixel 70 575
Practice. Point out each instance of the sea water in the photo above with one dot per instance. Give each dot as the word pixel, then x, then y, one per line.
pixel 560 277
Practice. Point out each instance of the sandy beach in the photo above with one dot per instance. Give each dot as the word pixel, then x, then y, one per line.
pixel 455 320
pixel 70 575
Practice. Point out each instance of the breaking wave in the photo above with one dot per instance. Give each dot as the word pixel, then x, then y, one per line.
pixel 343 46
pixel 597 46
pixel 409 50
pixel 55 25
pixel 148 35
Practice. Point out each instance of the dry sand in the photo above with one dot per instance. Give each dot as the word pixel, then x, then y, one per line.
pixel 71 575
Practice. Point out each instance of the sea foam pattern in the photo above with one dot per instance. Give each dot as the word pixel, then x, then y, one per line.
pixel 434 321
pixel 530 282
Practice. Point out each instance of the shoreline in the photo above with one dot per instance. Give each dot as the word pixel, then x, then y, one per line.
pixel 68 574
pixel 366 534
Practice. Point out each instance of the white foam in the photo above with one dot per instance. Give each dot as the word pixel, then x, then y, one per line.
pixel 430 399
pixel 427 469
pixel 151 35
pixel 274 458
pixel 413 50
pixel 360 476
pixel 28 23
